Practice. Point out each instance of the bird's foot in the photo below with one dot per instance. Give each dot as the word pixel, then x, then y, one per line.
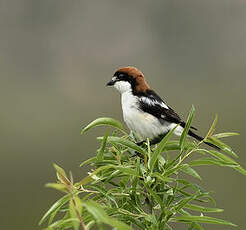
pixel 137 154
pixel 140 143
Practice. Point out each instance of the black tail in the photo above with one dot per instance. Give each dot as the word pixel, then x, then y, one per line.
pixel 199 138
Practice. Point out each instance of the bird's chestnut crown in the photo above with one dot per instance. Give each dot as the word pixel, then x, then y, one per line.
pixel 129 79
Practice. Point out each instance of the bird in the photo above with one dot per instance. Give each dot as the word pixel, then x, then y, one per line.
pixel 145 113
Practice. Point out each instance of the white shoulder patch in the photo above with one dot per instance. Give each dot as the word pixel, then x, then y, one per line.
pixel 153 102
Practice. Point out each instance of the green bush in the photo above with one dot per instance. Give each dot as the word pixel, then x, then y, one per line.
pixel 133 187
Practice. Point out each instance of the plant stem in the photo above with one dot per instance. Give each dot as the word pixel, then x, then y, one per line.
pixel 83 227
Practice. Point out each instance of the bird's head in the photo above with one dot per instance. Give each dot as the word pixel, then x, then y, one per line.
pixel 129 79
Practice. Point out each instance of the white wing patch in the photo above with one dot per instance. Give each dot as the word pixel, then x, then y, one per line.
pixel 153 102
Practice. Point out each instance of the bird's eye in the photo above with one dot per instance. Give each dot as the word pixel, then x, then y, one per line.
pixel 121 76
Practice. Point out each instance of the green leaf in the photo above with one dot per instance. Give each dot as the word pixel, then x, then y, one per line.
pixel 227 134
pixel 184 202
pixel 174 145
pixel 60 187
pixel 103 146
pixel 156 198
pixel 210 161
pixel 127 143
pixel 89 161
pixel 191 171
pixel 62 224
pixel 105 167
pixel 57 205
pixel 221 145
pixel 195 226
pixel 61 175
pixel 88 178
pixel 127 170
pixel 174 169
pixel 221 157
pixel 202 219
pixel 103 121
pixel 212 128
pixel 158 150
pixel 97 211
pixel 90 224
pixel 59 170
pixel 187 128
pixel 240 169
pixel 202 208
pixel 75 208
pixel 73 215
pixel 161 177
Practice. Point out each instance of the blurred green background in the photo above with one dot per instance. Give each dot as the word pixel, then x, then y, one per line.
pixel 55 59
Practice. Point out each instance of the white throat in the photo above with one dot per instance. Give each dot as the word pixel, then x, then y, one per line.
pixel 123 86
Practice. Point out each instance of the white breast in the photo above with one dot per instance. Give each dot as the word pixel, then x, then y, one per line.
pixel 143 124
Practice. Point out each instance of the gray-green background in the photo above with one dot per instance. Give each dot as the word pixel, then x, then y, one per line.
pixel 57 55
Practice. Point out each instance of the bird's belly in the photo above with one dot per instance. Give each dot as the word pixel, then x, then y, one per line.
pixel 144 124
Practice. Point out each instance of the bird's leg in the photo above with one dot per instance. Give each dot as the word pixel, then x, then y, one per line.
pixel 136 153
pixel 157 139
pixel 140 143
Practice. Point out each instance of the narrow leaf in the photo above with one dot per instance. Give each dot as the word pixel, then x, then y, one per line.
pixel 210 161
pixel 127 170
pixel 158 150
pixel 203 219
pixel 191 171
pixel 240 169
pixel 88 178
pixel 105 167
pixel 62 224
pixel 57 205
pixel 187 128
pixel 61 175
pixel 174 169
pixel 103 121
pixel 184 202
pixel 127 143
pixel 174 145
pixel 221 157
pixel 212 128
pixel 73 215
pixel 156 198
pixel 161 177
pixel 103 146
pixel 228 134
pixel 100 215
pixel 89 161
pixel 59 170
pixel 60 187
pixel 221 145
pixel 202 208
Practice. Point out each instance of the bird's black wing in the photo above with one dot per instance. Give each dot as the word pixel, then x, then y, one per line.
pixel 153 104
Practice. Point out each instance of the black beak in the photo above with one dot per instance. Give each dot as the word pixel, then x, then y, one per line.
pixel 110 83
